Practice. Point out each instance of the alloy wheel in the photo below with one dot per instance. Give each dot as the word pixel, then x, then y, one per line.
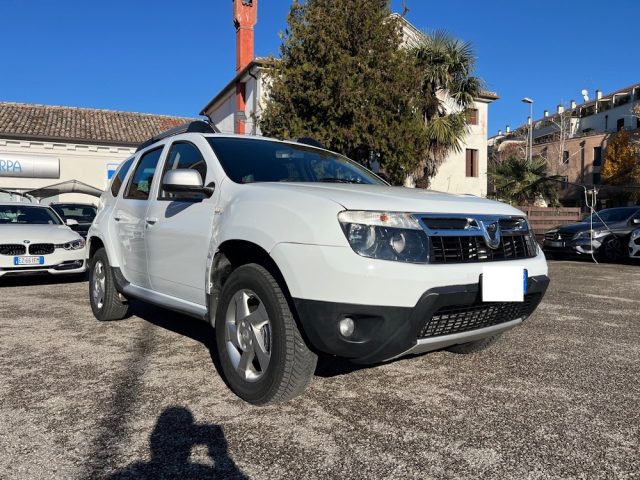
pixel 98 282
pixel 248 335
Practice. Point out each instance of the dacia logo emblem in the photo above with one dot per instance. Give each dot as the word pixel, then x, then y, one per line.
pixel 27 242
pixel 491 234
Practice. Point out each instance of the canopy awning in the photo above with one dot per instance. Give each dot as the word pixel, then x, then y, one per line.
pixel 71 186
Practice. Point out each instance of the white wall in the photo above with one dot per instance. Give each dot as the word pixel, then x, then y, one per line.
pixel 451 176
pixel 86 163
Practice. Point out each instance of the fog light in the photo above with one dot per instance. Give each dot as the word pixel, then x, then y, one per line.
pixel 347 326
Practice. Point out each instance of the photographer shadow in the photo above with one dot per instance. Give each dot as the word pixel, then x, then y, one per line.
pixel 171 441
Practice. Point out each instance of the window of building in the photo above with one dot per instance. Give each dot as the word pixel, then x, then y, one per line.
pixel 142 178
pixel 472 163
pixel 472 116
pixel 565 156
pixel 620 124
pixel 597 156
pixel 184 155
pixel 596 179
pixel 119 177
pixel 638 122
pixel 564 185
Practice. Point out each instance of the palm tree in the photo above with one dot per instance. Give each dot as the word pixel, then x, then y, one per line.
pixel 523 182
pixel 447 90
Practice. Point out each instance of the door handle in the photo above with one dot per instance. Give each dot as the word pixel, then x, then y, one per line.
pixel 152 220
pixel 117 219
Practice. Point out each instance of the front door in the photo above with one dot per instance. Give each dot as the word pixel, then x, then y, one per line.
pixel 180 228
pixel 130 219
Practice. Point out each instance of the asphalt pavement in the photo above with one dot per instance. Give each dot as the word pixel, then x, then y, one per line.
pixel 558 397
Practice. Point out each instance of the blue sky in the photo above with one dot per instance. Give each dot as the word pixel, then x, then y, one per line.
pixel 172 57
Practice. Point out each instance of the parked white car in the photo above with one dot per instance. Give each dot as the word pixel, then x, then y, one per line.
pixel 634 244
pixel 291 251
pixel 34 239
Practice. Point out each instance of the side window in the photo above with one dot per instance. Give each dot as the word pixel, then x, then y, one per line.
pixel 142 178
pixel 184 155
pixel 118 179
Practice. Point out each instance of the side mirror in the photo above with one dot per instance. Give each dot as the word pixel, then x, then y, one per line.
pixel 70 222
pixel 185 180
pixel 635 221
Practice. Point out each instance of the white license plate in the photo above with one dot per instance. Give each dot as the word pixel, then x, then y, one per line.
pixel 556 244
pixel 28 260
pixel 503 283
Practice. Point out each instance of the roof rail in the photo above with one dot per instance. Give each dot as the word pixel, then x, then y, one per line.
pixel 197 126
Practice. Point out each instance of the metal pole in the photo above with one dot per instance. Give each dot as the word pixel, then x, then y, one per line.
pixel 531 133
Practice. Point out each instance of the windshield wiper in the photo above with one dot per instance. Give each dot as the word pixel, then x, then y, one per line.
pixel 338 180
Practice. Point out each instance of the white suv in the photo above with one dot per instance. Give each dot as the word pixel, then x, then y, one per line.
pixel 291 251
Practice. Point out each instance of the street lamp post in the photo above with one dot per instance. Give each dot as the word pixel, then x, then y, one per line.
pixel 530 102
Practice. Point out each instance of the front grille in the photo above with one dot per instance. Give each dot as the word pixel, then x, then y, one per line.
pixel 41 248
pixel 463 249
pixel 12 249
pixel 463 318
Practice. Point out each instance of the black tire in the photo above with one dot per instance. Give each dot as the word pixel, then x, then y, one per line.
pixel 611 249
pixel 473 347
pixel 290 366
pixel 106 305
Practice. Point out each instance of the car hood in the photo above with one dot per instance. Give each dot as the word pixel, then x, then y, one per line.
pixel 36 234
pixel 585 226
pixel 394 199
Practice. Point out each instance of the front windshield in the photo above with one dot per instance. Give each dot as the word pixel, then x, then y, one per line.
pixel 249 160
pixel 76 211
pixel 27 215
pixel 612 215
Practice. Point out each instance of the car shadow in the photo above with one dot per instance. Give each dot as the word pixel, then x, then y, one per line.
pixel 171 441
pixel 204 333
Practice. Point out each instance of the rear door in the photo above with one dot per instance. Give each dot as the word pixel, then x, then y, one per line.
pixel 179 226
pixel 129 218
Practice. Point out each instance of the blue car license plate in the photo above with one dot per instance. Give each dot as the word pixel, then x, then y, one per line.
pixel 28 260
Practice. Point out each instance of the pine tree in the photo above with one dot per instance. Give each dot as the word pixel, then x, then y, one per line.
pixel 344 80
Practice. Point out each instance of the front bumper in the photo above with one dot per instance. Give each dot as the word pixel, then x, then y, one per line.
pixel 583 246
pixel 60 262
pixel 443 316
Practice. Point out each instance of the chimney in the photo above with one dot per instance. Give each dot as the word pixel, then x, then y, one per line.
pixel 573 104
pixel 598 94
pixel 499 133
pixel 508 129
pixel 546 113
pixel 245 17
pixel 560 109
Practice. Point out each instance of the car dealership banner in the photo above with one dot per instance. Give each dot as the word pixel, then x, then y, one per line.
pixel 29 166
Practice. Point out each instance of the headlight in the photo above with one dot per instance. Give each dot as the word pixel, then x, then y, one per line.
pixel 74 245
pixel 385 236
pixel 587 234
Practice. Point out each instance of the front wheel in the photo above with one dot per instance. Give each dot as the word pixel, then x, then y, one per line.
pixel 263 356
pixel 106 302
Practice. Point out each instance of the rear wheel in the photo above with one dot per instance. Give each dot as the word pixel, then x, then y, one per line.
pixel 106 302
pixel 263 356
pixel 473 347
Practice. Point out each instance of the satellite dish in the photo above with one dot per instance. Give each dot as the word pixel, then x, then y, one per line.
pixel 585 94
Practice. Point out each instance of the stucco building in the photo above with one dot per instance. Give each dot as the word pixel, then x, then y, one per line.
pixel 574 140
pixel 41 145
